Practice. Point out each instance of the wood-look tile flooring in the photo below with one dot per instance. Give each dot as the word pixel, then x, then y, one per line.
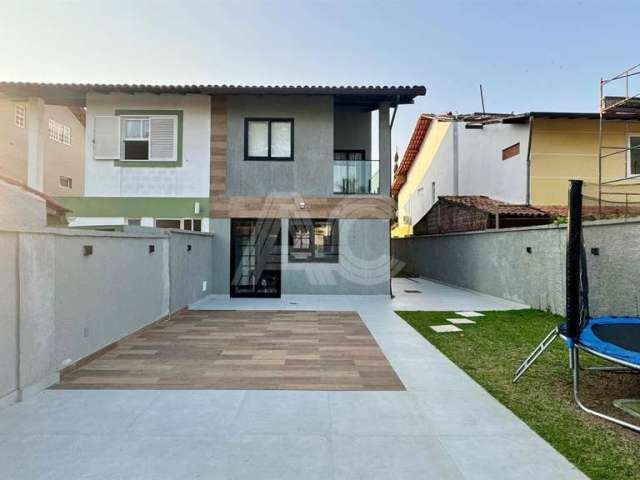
pixel 286 350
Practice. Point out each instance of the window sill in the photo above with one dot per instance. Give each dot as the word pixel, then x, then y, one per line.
pixel 315 260
pixel 267 159
pixel 148 163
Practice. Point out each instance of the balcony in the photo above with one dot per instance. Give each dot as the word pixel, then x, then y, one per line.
pixel 356 177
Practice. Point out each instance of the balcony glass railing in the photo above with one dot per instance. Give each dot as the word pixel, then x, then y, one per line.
pixel 356 176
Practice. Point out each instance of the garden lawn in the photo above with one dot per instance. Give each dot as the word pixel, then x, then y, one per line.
pixel 491 350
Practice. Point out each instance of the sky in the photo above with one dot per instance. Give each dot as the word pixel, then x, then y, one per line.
pixel 528 55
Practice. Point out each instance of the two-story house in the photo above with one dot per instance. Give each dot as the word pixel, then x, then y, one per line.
pixel 520 159
pixel 284 177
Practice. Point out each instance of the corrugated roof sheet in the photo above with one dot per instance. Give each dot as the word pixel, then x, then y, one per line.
pixel 490 205
pixel 225 88
pixel 417 137
pixel 74 94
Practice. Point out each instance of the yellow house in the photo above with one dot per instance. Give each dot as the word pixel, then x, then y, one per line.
pixel 524 159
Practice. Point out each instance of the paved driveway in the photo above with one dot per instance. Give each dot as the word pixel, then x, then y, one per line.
pixel 444 426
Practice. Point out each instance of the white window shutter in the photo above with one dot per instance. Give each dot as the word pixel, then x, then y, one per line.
pixel 163 138
pixel 106 138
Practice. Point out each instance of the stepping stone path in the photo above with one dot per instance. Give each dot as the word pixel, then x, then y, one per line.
pixel 469 314
pixel 449 328
pixel 460 321
pixel 445 328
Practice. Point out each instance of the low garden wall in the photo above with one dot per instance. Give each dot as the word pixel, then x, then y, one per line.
pixel 527 265
pixel 65 294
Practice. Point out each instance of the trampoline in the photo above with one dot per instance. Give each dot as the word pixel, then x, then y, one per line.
pixel 612 338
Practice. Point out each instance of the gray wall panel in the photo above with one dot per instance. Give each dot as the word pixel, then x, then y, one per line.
pixel 497 263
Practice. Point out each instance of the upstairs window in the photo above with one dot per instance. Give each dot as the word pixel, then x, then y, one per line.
pixel 633 164
pixel 268 139
pixel 20 115
pixel 136 139
pixel 313 240
pixel 66 182
pixel 138 135
pixel 59 132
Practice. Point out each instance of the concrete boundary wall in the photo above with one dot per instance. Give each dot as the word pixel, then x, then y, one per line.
pixel 527 265
pixel 58 305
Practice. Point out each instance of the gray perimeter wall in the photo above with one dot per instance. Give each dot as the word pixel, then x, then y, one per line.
pixel 58 306
pixel 497 263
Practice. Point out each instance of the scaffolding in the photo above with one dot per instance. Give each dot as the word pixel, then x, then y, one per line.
pixel 623 106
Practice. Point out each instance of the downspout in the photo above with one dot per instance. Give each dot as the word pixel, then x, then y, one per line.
pixel 393 118
pixel 455 158
pixel 528 192
pixel 18 323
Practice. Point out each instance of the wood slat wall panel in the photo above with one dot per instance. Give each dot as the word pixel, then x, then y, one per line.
pixel 219 147
pixel 315 207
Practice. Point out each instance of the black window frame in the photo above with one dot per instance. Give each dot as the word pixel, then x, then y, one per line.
pixel 269 121
pixel 348 151
pixel 310 224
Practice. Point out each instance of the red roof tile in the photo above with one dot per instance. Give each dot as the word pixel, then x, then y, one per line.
pixel 417 137
pixel 490 205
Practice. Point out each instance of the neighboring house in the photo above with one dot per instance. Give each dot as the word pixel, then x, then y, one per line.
pixel 25 207
pixel 524 159
pixel 476 212
pixel 60 172
pixel 283 176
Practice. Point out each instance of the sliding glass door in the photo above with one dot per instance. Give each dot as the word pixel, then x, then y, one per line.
pixel 255 257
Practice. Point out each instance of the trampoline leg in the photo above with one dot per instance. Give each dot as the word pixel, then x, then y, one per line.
pixel 539 350
pixel 574 360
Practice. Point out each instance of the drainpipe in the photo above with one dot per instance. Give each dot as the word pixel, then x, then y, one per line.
pixel 455 158
pixel 528 193
pixel 18 324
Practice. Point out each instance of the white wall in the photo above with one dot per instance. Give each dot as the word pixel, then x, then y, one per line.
pixel 103 179
pixel 440 171
pixel 481 170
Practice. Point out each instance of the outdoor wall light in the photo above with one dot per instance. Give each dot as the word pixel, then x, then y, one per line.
pixel 87 250
pixel 152 248
pixel 529 250
pixel 595 251
pixel 302 205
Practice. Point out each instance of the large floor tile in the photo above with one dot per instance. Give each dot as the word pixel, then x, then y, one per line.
pixel 190 412
pixel 474 412
pixel 284 412
pixel 55 457
pixel 433 374
pixel 376 413
pixel 391 457
pixel 83 411
pixel 508 457
pixel 276 457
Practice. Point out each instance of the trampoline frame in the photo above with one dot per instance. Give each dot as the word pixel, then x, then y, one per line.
pixel 577 311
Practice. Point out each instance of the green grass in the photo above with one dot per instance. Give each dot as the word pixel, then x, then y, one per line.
pixel 494 347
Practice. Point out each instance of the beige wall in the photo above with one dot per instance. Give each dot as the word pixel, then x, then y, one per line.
pixel 13 144
pixel 565 149
pixel 64 160
pixel 59 159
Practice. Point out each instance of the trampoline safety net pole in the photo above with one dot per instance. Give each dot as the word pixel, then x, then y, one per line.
pixel 574 248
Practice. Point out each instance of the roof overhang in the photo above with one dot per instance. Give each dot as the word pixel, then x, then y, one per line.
pixel 74 94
